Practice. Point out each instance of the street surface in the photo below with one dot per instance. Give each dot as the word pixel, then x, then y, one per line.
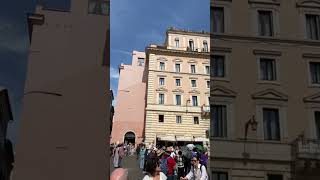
pixel 132 164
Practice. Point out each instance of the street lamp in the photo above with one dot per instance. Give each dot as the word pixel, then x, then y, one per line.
pixel 187 102
pixel 253 123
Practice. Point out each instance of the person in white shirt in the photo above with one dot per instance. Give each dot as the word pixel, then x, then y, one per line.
pixel 197 172
pixel 153 170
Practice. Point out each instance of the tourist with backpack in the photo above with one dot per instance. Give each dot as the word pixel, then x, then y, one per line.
pixel 197 172
pixel 180 164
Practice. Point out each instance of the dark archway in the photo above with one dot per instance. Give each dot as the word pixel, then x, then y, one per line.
pixel 130 137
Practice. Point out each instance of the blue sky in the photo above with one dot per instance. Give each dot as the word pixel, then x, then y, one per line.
pixel 134 25
pixel 137 23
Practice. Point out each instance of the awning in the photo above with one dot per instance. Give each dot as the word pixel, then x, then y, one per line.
pixel 166 138
pixel 184 138
pixel 201 139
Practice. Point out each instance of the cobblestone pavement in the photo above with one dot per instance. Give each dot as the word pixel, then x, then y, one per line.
pixel 132 164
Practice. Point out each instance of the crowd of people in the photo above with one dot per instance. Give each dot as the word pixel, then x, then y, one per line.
pixel 165 163
pixel 173 163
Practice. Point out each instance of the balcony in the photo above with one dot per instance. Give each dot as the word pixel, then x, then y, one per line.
pixel 205 111
pixel 308 148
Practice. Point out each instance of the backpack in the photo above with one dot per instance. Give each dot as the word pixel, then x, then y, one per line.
pixel 163 165
pixel 201 165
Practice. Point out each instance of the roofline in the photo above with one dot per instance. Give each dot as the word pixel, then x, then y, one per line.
pixel 203 55
pixel 187 32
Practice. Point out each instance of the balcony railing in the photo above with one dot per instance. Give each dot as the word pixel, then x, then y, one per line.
pixel 308 148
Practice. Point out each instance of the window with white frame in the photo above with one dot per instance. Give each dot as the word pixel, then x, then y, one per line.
pixel 193 83
pixel 315 72
pixel 218 19
pixel 177 67
pixel 162 66
pixel 191 45
pixel 178 99
pixel 194 100
pixel 205 46
pixel 271 124
pixel 218 66
pixel 265 24
pixel 207 69
pixel 178 82
pixel 268 69
pixel 176 40
pixel 178 119
pixel 161 98
pixel 219 113
pixel 313 26
pixel 193 68
pixel 161 81
pixel 140 61
pixel 196 120
pixel 317 123
pixel 98 7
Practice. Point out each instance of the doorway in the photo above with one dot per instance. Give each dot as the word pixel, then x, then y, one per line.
pixel 130 137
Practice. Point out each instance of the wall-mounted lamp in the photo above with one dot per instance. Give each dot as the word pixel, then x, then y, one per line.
pixel 253 123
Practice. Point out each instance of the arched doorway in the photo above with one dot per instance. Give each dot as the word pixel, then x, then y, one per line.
pixel 130 137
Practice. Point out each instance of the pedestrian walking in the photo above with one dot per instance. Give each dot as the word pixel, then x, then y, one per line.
pixel 171 164
pixel 116 157
pixel 142 157
pixel 197 172
pixel 180 165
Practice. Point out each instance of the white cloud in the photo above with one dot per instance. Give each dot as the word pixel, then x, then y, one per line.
pixel 114 73
pixel 121 52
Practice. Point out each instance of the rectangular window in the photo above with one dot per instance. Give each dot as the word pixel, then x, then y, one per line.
pixel 268 69
pixel 219 175
pixel 194 100
pixel 161 81
pixel 207 69
pixel 313 26
pixel 161 98
pixel 177 67
pixel 315 72
pixel 140 61
pixel 162 66
pixel 99 7
pixel 275 177
pixel 218 19
pixel 161 118
pixel 178 120
pixel 178 82
pixel 178 99
pixel 219 113
pixel 271 125
pixel 193 83
pixel 196 120
pixel 218 66
pixel 265 23
pixel 317 123
pixel 208 84
pixel 193 69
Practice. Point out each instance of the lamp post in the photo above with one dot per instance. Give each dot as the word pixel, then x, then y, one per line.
pixel 253 123
pixel 187 102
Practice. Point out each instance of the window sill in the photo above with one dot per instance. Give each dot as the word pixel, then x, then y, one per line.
pixel 220 79
pixel 314 85
pixel 269 82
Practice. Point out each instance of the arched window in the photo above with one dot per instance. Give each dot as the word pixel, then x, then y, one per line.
pixel 191 45
pixel 177 42
pixel 205 46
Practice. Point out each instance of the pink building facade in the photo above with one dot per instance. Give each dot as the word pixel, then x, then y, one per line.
pixel 129 117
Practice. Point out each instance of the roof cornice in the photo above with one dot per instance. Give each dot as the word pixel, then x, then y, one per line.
pixel 157 50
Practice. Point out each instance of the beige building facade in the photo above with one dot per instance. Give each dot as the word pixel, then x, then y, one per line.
pixel 265 92
pixel 178 93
